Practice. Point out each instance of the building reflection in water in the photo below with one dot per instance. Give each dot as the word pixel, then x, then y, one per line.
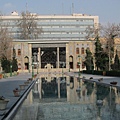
pixel 83 98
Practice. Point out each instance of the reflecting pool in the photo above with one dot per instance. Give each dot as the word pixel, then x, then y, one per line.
pixel 70 98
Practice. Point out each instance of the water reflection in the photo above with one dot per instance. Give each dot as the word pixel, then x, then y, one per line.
pixel 65 97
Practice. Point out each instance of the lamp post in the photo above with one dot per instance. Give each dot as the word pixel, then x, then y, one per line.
pixel 79 65
pixel 32 68
pixel 37 66
pixel 10 69
pixel 69 67
pixel 93 65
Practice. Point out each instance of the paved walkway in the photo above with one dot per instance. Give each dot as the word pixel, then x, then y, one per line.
pixel 106 79
pixel 6 88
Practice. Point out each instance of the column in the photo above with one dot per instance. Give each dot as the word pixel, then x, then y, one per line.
pixel 57 57
pixel 39 57
pixel 67 57
pixel 74 57
pixel 22 57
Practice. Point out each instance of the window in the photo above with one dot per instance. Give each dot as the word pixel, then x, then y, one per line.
pixel 19 51
pixel 82 50
pixel 77 50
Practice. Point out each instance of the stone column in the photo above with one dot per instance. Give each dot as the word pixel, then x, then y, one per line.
pixel 57 57
pixel 75 58
pixel 39 57
pixel 22 57
pixel 67 57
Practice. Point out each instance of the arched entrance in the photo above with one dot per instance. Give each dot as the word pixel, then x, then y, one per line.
pixel 26 62
pixel 71 61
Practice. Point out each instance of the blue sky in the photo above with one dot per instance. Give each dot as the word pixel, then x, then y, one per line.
pixel 107 10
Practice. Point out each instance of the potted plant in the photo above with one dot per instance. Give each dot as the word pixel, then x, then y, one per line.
pixel 113 83
pixel 104 73
pixel 100 79
pixel 3 103
pixel 30 79
pixel 16 92
pixel 91 78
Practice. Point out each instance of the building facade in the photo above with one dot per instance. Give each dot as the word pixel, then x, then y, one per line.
pixel 60 46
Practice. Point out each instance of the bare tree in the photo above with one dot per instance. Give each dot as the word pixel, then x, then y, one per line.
pixel 28 26
pixel 110 32
pixel 92 32
pixel 5 41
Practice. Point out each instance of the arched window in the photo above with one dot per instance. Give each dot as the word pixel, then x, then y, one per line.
pixel 77 50
pixel 71 62
pixel 70 58
pixel 19 51
pixel 82 50
pixel 26 59
pixel 78 65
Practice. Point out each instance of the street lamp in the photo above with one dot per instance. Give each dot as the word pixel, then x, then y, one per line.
pixel 93 65
pixel 10 69
pixel 37 66
pixel 69 67
pixel 32 68
pixel 79 65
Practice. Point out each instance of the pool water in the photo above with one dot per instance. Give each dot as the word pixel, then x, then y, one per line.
pixel 70 98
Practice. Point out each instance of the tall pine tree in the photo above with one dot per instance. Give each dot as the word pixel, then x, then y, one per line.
pixel 98 52
pixel 89 60
pixel 116 65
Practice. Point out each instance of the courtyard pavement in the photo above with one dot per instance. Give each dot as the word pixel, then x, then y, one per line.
pixel 8 84
pixel 106 79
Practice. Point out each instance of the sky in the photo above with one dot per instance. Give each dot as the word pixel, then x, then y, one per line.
pixel 107 10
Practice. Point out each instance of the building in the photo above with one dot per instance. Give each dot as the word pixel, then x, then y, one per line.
pixel 61 45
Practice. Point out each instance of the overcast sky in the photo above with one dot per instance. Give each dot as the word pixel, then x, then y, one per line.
pixel 107 10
